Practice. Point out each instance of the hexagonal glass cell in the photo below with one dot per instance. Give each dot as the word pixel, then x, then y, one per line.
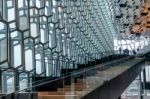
pixel 64 38
pixel 23 14
pixel 29 63
pixel 6 8
pixel 3 42
pixel 20 3
pixel 8 82
pixel 47 7
pixel 40 66
pixel 38 63
pixel 23 22
pixel 39 3
pixel 47 66
pixel 34 30
pixel 59 40
pixel 29 58
pixel 23 81
pixel 55 66
pixel 16 50
pixel 11 11
pixel 52 35
pixel 34 23
pixel 55 15
pixel 26 34
pixel 43 30
pixel 12 26
pixel 48 62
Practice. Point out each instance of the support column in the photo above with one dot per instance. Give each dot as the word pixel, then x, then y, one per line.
pixel 144 78
pixel 140 80
pixel 16 80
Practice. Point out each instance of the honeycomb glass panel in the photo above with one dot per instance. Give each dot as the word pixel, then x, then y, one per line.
pixel 38 63
pixel 23 23
pixel 16 50
pixel 23 14
pixel 34 22
pixel 47 66
pixel 5 8
pixel 59 40
pixel 26 34
pixel 43 29
pixel 8 82
pixel 28 43
pixel 41 37
pixel 12 26
pixel 23 81
pixel 52 36
pixel 39 3
pixel 3 42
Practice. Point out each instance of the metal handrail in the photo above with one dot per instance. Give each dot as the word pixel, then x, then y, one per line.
pixel 72 74
pixel 70 62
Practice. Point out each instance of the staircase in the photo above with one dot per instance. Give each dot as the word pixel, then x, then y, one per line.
pixel 84 86
pixel 81 85
pixel 67 92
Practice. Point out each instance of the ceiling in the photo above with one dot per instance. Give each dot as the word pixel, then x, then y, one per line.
pixel 133 17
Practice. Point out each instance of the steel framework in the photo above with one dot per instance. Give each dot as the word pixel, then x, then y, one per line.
pixel 40 37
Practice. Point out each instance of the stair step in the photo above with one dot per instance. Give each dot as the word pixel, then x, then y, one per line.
pixel 55 93
pixel 80 80
pixel 43 93
pixel 76 86
pixel 70 89
pixel 73 88
pixel 58 97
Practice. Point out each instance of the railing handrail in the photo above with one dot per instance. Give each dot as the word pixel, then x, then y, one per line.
pixel 72 74
pixel 69 62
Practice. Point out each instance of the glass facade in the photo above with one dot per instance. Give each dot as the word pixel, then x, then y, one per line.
pixel 41 37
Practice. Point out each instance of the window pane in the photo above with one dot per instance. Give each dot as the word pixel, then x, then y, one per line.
pixel 3 42
pixel 8 82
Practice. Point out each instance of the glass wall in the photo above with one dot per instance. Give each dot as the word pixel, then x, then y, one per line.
pixel 43 36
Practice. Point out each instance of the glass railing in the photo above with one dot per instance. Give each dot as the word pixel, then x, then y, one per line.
pixel 75 70
pixel 78 82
